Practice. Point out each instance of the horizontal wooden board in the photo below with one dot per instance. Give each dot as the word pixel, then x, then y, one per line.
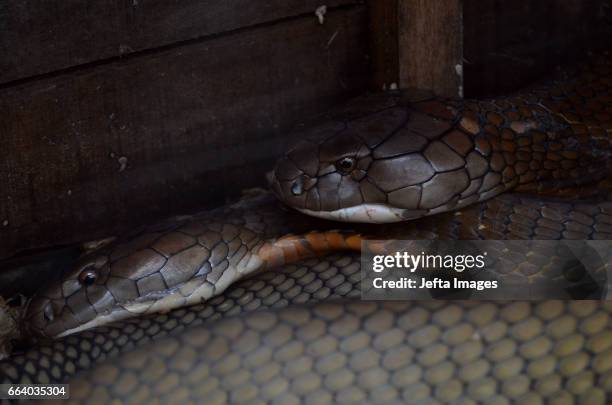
pixel 94 152
pixel 37 37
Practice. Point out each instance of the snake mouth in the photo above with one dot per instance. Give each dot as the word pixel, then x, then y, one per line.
pixel 98 321
pixel 41 326
pixel 45 318
pixel 366 213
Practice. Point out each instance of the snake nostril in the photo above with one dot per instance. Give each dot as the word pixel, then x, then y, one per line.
pixel 48 312
pixel 297 188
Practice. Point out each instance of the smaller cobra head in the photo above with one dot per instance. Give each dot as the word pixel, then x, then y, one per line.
pixel 71 300
pixel 170 265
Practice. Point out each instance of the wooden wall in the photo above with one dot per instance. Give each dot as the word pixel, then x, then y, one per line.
pixel 115 112
pixel 430 45
pixel 479 48
pixel 384 37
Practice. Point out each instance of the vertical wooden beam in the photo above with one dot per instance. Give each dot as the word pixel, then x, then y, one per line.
pixel 383 43
pixel 431 46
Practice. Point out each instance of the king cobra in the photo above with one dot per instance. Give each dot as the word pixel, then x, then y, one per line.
pixel 385 160
pixel 298 333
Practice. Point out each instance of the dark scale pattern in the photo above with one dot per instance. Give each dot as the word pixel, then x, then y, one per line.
pixel 509 216
pixel 438 155
pixel 520 217
pixel 359 352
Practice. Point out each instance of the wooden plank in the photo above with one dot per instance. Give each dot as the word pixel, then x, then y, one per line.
pixel 383 43
pixel 510 44
pixel 430 45
pixel 97 151
pixel 25 274
pixel 43 36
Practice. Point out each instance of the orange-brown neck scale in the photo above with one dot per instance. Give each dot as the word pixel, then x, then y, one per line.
pixel 545 138
pixel 293 248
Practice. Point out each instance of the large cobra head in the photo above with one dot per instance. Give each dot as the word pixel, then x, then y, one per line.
pixel 389 166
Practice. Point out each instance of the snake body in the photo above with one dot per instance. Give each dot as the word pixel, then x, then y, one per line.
pixel 284 336
pixel 510 216
pixel 188 260
pixel 179 262
pixel 356 352
pixel 405 161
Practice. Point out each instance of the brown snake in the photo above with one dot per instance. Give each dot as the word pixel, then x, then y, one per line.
pixel 382 162
pixel 383 159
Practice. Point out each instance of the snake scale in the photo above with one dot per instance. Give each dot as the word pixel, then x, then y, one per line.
pixel 385 160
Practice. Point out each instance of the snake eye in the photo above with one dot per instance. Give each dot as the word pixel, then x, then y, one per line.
pixel 88 276
pixel 345 165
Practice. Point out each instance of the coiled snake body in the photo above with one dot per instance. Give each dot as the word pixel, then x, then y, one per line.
pixel 381 162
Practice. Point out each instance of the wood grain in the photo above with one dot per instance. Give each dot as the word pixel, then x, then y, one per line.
pixel 94 152
pixel 384 43
pixel 38 37
pixel 430 45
